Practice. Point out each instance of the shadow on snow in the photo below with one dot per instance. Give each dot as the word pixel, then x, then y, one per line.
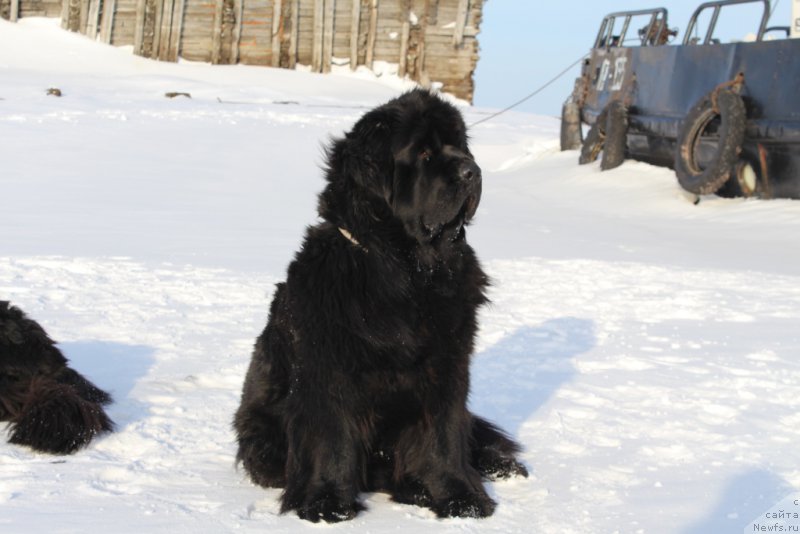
pixel 113 367
pixel 515 377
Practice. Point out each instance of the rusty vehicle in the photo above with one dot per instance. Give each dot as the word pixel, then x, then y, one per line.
pixel 724 116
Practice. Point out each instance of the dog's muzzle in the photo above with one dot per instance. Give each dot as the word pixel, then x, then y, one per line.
pixel 469 171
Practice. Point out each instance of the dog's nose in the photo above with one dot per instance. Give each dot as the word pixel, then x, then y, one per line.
pixel 469 171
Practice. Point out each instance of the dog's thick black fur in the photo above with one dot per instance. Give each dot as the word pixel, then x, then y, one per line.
pixel 359 381
pixel 50 407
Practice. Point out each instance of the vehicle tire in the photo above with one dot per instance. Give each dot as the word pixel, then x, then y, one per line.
pixel 616 136
pixel 571 126
pixel 733 117
pixel 595 139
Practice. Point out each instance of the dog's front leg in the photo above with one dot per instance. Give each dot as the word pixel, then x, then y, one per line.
pixel 455 486
pixel 325 457
pixel 435 459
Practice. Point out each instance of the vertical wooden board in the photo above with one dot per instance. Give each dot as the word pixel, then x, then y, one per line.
pixel 245 38
pixel 276 32
pixel 355 22
pixel 163 29
pixel 420 68
pixel 363 33
pixel 461 22
pixel 83 16
pixel 295 27
pixel 165 41
pixel 319 25
pixel 238 8
pixel 157 23
pixel 284 30
pixel 13 11
pixel 138 38
pixel 177 30
pixel 107 21
pixel 228 28
pixel 65 14
pixel 216 41
pixel 372 33
pixel 476 17
pixel 402 64
pixel 93 19
pixel 432 12
pixel 342 22
pixel 327 35
pixel 305 32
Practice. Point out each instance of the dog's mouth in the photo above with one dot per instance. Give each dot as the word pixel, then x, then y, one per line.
pixel 452 229
pixel 470 207
pixel 466 213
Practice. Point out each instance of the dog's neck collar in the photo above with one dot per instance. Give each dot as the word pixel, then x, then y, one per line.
pixel 347 235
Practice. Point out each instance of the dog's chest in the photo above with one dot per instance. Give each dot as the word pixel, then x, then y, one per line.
pixel 442 327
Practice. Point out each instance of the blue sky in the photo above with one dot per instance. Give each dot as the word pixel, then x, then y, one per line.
pixel 525 43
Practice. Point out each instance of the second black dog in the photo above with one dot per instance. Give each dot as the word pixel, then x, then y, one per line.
pixel 50 407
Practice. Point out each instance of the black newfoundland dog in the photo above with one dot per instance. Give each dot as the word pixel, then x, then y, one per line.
pixel 50 407
pixel 359 381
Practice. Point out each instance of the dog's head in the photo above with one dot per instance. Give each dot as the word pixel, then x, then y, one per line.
pixel 409 160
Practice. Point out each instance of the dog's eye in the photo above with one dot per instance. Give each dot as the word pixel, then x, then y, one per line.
pixel 425 155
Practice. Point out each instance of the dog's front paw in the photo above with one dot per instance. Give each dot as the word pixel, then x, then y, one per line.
pixel 467 505
pixel 328 508
pixel 412 491
pixel 501 467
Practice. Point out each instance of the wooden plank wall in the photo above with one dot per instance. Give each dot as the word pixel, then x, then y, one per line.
pixel 430 41
pixel 9 10
pixel 15 9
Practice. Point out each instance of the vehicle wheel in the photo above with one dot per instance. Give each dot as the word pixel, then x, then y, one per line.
pixel 701 122
pixel 616 136
pixel 595 139
pixel 571 126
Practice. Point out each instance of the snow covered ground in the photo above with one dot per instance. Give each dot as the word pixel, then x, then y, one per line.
pixel 645 350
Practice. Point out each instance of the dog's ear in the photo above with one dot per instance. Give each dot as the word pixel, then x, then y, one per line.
pixel 368 157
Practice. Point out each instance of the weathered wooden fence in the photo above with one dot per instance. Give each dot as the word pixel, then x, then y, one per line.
pixel 14 9
pixel 429 40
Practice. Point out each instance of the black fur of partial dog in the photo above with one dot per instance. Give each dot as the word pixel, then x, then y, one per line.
pixel 50 407
pixel 359 381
